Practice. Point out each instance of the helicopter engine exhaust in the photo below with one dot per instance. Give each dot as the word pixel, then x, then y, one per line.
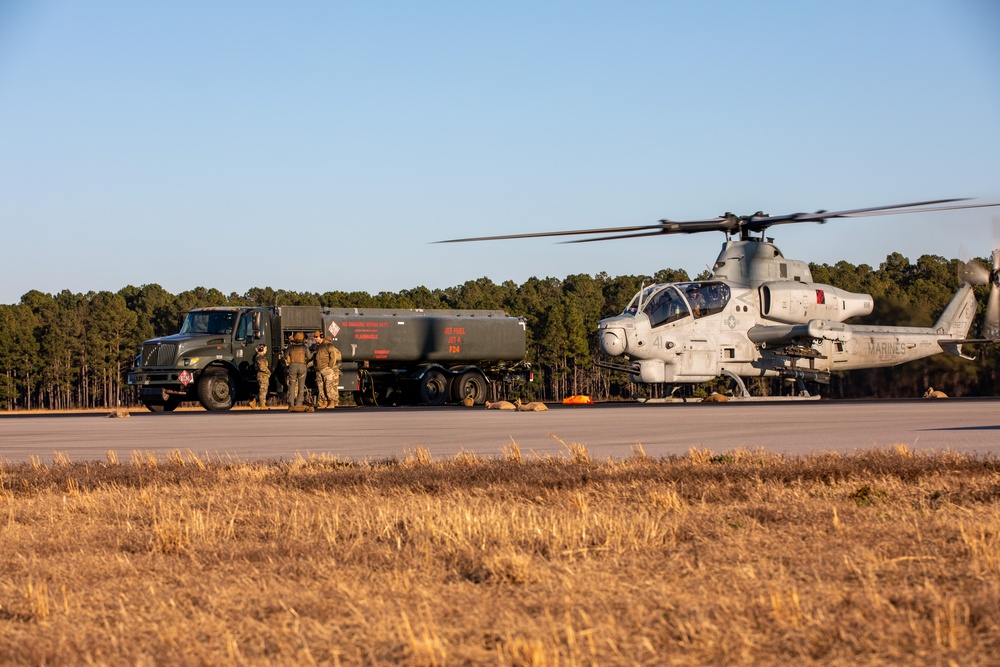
pixel 797 303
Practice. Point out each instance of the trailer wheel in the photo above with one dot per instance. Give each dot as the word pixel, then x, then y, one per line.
pixel 215 390
pixel 433 388
pixel 472 384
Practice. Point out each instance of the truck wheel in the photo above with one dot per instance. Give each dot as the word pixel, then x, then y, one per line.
pixel 470 383
pixel 169 406
pixel 215 390
pixel 433 388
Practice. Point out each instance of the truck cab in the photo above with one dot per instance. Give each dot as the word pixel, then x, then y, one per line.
pixel 210 360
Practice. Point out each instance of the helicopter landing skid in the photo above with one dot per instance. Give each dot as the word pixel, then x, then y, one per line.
pixel 732 399
pixel 742 394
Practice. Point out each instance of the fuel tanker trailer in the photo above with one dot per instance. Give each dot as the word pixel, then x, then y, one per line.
pixel 390 356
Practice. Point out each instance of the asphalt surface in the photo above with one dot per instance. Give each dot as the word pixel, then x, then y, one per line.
pixel 969 425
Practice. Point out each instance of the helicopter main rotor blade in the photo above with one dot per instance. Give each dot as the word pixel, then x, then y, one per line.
pixel 891 210
pixel 687 227
pixel 621 236
pixel 729 223
pixel 759 223
pixel 663 227
pixel 568 232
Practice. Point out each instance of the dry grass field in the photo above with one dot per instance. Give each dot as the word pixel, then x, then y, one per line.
pixel 734 558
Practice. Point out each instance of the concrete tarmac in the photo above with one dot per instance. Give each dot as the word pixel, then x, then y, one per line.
pixel 612 429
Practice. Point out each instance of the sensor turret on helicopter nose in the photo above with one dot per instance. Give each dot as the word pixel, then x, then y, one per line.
pixel 614 334
pixel 613 341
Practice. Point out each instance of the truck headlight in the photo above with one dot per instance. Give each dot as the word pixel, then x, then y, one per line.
pixel 191 361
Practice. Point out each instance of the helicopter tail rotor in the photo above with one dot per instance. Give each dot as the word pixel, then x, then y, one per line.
pixel 972 272
pixel 991 321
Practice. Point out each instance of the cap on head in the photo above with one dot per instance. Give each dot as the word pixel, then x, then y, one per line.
pixel 299 337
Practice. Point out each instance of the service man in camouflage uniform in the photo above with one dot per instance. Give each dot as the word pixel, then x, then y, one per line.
pixel 263 375
pixel 296 359
pixel 326 360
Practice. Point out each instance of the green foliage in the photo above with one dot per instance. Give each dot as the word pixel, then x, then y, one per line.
pixel 72 350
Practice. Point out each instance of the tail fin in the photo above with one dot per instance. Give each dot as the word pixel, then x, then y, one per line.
pixel 956 319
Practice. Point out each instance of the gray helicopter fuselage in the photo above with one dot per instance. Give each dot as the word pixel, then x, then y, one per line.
pixel 760 315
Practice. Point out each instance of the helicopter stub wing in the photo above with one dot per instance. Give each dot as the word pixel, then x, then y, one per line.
pixel 781 334
pixel 778 334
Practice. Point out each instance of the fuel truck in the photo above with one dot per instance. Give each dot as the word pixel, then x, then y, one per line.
pixel 390 356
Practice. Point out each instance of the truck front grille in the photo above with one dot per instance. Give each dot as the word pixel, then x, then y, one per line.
pixel 158 355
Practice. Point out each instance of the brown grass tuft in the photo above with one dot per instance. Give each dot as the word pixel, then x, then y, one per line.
pixel 739 557
pixel 577 453
pixel 512 452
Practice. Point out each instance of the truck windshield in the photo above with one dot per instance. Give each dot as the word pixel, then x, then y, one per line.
pixel 209 321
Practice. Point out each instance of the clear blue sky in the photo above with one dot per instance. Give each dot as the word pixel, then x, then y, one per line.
pixel 323 145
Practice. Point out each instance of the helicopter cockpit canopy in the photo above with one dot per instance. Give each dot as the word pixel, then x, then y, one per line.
pixel 706 298
pixel 664 306
pixel 669 302
pixel 641 297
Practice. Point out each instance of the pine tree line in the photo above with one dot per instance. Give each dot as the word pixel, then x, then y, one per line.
pixel 72 350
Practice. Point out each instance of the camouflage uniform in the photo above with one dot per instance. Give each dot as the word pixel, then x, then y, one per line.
pixel 263 377
pixel 327 363
pixel 296 358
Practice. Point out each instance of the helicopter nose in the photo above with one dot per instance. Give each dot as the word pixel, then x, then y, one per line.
pixel 613 342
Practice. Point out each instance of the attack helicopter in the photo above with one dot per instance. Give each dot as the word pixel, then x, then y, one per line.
pixel 759 314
